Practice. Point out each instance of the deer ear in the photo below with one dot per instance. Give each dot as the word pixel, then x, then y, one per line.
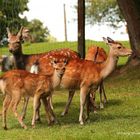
pixel 105 40
pixel 110 40
pixel 8 32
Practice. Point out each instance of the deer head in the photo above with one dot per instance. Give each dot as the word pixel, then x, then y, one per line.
pixel 15 41
pixel 59 65
pixel 116 48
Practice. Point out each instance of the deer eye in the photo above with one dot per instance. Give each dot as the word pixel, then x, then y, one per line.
pixel 119 47
pixel 55 61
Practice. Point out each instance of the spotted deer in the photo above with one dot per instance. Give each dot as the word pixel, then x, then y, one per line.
pixel 87 75
pixel 97 55
pixel 15 84
pixel 25 62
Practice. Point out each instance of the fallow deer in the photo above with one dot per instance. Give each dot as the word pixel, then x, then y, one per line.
pixel 87 75
pixel 15 84
pixel 23 61
pixel 97 55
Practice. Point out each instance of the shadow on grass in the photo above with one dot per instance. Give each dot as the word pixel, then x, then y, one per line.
pixel 113 102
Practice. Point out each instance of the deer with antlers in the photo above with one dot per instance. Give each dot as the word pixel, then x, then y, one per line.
pixel 19 83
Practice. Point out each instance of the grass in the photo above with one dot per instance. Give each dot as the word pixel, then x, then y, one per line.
pixel 119 120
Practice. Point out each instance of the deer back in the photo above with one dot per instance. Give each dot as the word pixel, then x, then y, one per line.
pixel 44 62
pixel 79 73
pixel 96 54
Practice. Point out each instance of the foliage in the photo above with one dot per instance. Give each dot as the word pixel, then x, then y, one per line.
pixel 39 33
pixel 10 11
pixel 104 11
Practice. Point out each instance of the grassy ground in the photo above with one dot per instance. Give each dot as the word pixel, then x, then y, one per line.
pixel 119 120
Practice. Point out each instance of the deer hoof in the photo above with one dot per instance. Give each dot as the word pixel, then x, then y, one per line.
pixel 33 126
pixel 95 112
pixel 101 106
pixel 63 114
pixel 81 123
pixel 5 128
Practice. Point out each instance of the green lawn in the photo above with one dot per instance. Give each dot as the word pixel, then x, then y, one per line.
pixel 119 120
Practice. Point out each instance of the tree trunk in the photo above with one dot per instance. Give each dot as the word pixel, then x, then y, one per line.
pixel 131 12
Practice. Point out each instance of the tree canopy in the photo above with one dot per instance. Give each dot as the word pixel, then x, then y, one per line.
pixel 10 11
pixel 10 16
pixel 104 11
pixel 38 32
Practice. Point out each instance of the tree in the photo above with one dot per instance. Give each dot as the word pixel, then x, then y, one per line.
pixel 104 11
pixel 38 32
pixel 114 12
pixel 10 11
pixel 131 12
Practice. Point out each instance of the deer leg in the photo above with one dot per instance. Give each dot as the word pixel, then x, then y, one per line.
pixel 53 117
pixel 23 114
pixel 6 104
pixel 49 112
pixel 92 101
pixel 103 90
pixel 71 94
pixel 83 94
pixel 101 98
pixel 36 105
pixel 14 104
pixel 37 118
pixel 46 109
pixel 88 106
pixel 50 100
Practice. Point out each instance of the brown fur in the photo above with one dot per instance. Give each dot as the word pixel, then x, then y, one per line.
pixel 98 55
pixel 23 61
pixel 87 75
pixel 19 83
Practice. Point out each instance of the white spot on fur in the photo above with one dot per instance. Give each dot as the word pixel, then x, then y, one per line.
pixel 34 69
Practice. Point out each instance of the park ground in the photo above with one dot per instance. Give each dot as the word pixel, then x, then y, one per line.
pixel 119 120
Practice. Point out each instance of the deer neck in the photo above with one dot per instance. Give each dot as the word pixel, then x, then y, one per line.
pixel 56 79
pixel 19 60
pixel 109 65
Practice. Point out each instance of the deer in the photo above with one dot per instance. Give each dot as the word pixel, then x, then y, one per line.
pixel 87 75
pixel 98 55
pixel 25 62
pixel 15 84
